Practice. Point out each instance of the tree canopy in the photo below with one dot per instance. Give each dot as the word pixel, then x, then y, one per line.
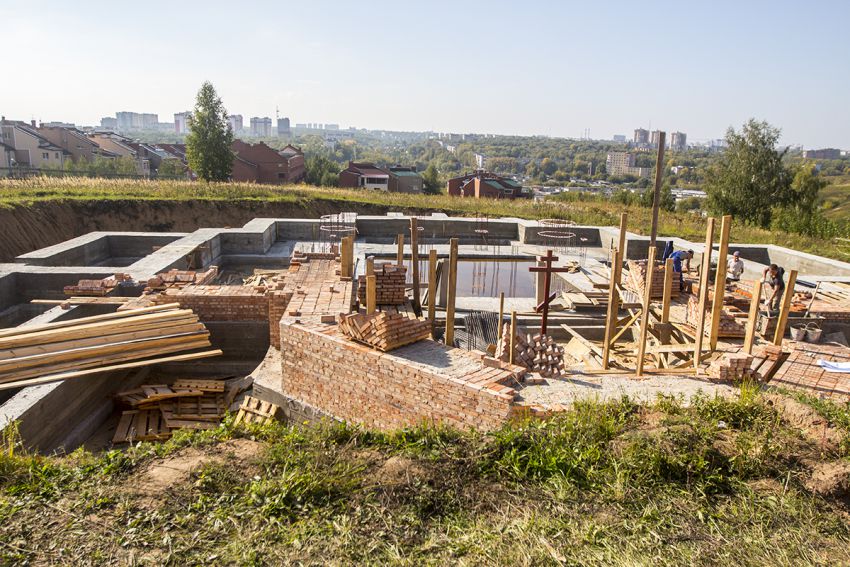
pixel 208 144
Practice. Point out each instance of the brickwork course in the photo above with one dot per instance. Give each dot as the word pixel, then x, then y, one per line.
pixel 219 302
pixel 422 382
pixel 801 372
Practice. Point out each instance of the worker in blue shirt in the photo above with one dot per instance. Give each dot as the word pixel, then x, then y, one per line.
pixel 680 257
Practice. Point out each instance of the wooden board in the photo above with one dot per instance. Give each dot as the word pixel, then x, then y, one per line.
pixel 255 410
pixel 135 425
pixel 202 385
pixel 209 407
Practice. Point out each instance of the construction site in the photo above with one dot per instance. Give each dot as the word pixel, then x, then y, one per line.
pixel 394 321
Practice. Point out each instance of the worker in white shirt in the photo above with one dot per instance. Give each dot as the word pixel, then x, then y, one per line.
pixel 735 267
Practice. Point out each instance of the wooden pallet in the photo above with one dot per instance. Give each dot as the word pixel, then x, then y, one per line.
pixel 209 407
pixel 141 425
pixel 255 410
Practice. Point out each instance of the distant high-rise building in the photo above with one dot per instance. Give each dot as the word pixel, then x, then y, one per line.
pixel 261 127
pixel 235 121
pixel 826 153
pixel 181 122
pixel 109 122
pixel 149 121
pixel 679 141
pixel 331 126
pixel 654 138
pixel 619 137
pixel 283 127
pixel 641 136
pixel 623 163
pixel 132 121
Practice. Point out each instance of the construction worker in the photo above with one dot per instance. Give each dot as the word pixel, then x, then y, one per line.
pixel 773 275
pixel 682 257
pixel 735 267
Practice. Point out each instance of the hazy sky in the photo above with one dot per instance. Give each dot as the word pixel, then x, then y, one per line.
pixel 531 67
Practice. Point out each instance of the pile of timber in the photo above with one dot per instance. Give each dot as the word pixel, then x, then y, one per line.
pixel 636 280
pixel 97 288
pixel 732 319
pixel 116 341
pixel 181 278
pixel 389 285
pixel 384 331
pixel 538 353
pixel 733 367
pixel 154 411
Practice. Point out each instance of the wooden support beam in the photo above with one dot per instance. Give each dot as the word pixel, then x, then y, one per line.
pixel 513 336
pixel 414 263
pixel 621 246
pixel 346 257
pixel 668 291
pixel 644 316
pixel 452 293
pixel 752 318
pixel 501 312
pixel 432 288
pixel 613 309
pixel 703 290
pixel 625 328
pixel 720 280
pixel 785 308
pixel 370 266
pixel 371 294
pixel 656 195
pixel 400 253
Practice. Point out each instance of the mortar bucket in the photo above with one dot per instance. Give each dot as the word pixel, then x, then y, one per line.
pixel 798 332
pixel 813 334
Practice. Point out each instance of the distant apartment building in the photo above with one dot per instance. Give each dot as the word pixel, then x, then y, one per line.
pixel 655 138
pixel 283 128
pixel 621 138
pixel 31 149
pixel 405 180
pixel 825 153
pixel 364 176
pixel 479 160
pixel 261 127
pixel 484 185
pixel 331 126
pixel 259 163
pixel 679 141
pixel 76 143
pixel 109 123
pixel 623 163
pixel 181 122
pixel 641 137
pixel 235 121
pixel 134 121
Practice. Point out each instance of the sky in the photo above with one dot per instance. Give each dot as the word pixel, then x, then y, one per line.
pixel 535 67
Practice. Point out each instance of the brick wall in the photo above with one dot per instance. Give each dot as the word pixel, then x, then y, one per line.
pixel 421 382
pixel 220 302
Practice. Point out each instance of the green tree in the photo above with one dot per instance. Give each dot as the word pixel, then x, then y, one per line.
pixel 431 179
pixel 806 187
pixel 208 144
pixel 321 171
pixel 171 168
pixel 749 180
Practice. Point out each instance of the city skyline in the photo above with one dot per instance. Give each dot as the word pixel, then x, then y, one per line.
pixel 705 69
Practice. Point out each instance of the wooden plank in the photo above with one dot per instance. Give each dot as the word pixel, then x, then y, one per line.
pixel 621 246
pixel 632 318
pixel 86 320
pixel 688 348
pixel 720 280
pixel 83 300
pixel 644 319
pixel 668 291
pixel 785 308
pixel 255 410
pixel 589 344
pixel 661 371
pixel 414 262
pixel 371 294
pixel 812 301
pixel 611 313
pixel 656 194
pixel 432 289
pixel 370 266
pixel 703 290
pixel 513 336
pixel 501 314
pixel 752 318
pixel 452 293
pixel 400 253
pixel 202 385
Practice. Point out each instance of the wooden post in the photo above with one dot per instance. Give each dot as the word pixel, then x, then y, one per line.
pixel 432 287
pixel 613 310
pixel 400 253
pixel 703 290
pixel 513 336
pixel 452 293
pixel 720 281
pixel 644 316
pixel 668 291
pixel 618 270
pixel 414 262
pixel 346 256
pixel 753 317
pixel 371 295
pixel 656 199
pixel 501 312
pixel 370 266
pixel 785 308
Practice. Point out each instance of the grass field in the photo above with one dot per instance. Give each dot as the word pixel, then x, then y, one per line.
pixel 720 482
pixel 836 198
pixel 605 213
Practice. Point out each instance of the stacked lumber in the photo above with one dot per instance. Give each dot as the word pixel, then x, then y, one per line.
pixel 125 339
pixel 154 411
pixel 636 280
pixel 731 326
pixel 97 288
pixel 538 353
pixel 181 278
pixel 389 285
pixel 384 331
pixel 732 367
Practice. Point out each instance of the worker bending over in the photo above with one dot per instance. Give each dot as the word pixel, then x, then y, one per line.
pixel 680 257
pixel 773 275
pixel 735 267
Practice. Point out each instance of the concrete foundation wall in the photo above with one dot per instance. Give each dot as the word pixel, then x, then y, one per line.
pixel 530 235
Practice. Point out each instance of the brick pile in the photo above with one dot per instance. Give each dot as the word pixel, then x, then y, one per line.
pixel 421 382
pixel 384 331
pixel 181 278
pixel 389 285
pixel 538 353
pixel 730 326
pixel 219 302
pixel 97 288
pixel 732 367
pixel 801 372
pixel 636 280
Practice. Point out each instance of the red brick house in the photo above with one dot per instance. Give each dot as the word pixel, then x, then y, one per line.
pixel 482 184
pixel 365 176
pixel 259 163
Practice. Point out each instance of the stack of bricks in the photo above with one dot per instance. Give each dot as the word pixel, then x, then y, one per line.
pixel 96 288
pixel 422 382
pixel 732 367
pixel 219 303
pixel 730 326
pixel 389 285
pixel 181 278
pixel 384 331
pixel 637 280
pixel 538 353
